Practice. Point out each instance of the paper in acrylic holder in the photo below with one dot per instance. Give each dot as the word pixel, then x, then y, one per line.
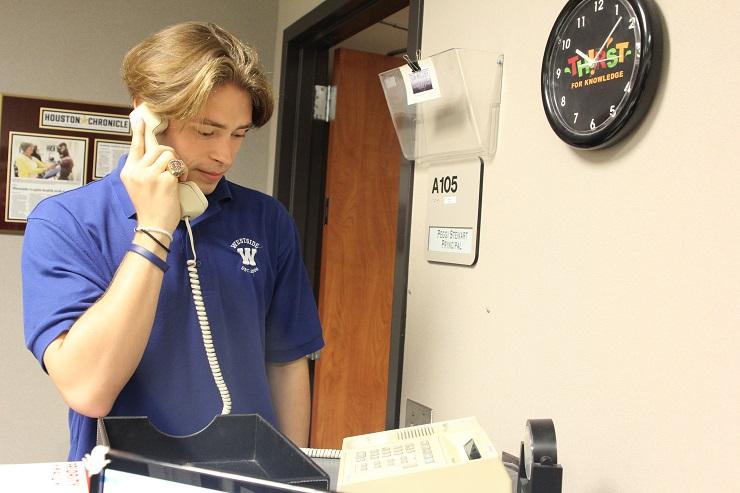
pixel 449 108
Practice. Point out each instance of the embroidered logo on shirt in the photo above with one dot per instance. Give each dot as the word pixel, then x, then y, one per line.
pixel 247 250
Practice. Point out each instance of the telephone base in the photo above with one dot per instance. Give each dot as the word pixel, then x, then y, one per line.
pixel 453 455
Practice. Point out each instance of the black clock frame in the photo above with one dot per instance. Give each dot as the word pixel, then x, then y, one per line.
pixel 641 95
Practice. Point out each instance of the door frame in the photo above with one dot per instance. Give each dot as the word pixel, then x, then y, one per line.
pixel 301 149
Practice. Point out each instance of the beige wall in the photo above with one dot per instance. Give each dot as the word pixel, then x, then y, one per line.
pixel 607 294
pixel 68 50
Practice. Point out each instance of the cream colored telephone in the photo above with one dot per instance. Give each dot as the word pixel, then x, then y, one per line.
pixel 192 204
pixel 192 201
pixel 447 456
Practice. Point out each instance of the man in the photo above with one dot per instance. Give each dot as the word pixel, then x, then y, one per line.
pixel 66 163
pixel 122 337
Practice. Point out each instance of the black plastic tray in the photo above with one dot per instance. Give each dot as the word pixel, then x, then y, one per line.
pixel 243 444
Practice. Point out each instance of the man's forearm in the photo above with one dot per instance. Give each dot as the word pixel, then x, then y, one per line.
pixel 291 398
pixel 92 362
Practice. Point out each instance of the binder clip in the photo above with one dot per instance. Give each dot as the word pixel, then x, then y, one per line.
pixel 414 65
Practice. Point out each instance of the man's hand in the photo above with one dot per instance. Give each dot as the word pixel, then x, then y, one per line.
pixel 152 189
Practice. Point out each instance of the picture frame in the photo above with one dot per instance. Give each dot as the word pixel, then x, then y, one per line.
pixel 39 166
pixel 51 146
pixel 107 154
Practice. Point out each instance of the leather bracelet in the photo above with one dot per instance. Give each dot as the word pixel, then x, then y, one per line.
pixel 155 230
pixel 154 239
pixel 150 256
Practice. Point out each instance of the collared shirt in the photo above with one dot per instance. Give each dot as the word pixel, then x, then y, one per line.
pixel 256 292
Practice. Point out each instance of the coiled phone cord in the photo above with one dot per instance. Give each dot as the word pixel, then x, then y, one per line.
pixel 205 329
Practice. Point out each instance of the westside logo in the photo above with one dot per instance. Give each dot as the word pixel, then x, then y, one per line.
pixel 247 250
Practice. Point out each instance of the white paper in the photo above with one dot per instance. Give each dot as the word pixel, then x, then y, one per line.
pixel 422 85
pixel 51 477
pixel 450 240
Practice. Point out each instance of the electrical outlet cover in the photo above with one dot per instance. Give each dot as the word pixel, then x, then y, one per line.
pixel 417 414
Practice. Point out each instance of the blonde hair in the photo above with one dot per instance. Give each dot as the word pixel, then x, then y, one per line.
pixel 175 70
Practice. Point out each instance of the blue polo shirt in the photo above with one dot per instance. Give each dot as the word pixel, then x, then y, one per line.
pixel 254 284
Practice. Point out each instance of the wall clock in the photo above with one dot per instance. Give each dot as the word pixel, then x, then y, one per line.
pixel 601 69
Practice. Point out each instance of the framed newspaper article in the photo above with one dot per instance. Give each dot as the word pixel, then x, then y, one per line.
pixel 50 146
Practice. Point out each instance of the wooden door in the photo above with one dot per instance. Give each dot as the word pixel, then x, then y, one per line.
pixel 358 254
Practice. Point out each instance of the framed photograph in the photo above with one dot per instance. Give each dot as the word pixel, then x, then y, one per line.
pixel 107 154
pixel 39 166
pixel 45 149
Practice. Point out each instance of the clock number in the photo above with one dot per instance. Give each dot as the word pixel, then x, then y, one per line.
pixel 592 124
pixel 557 72
pixel 576 117
pixel 632 22
pixel 627 88
pixel 564 44
pixel 616 9
pixel 612 111
pixel 562 101
pixel 598 5
pixel 581 21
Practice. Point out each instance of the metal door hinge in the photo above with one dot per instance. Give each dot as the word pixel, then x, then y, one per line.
pixel 324 103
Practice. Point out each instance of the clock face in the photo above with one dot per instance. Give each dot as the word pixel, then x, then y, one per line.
pixel 595 69
pixel 528 450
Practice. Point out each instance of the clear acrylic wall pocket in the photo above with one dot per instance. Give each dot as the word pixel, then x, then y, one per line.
pixel 447 105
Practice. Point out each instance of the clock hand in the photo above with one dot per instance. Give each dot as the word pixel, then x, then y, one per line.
pixel 596 58
pixel 585 57
pixel 594 62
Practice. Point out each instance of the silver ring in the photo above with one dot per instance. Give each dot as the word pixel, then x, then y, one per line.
pixel 176 168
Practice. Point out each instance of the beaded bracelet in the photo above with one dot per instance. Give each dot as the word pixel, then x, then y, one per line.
pixel 150 256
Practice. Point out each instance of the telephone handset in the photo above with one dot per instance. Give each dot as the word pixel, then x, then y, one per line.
pixel 192 201
pixel 192 204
